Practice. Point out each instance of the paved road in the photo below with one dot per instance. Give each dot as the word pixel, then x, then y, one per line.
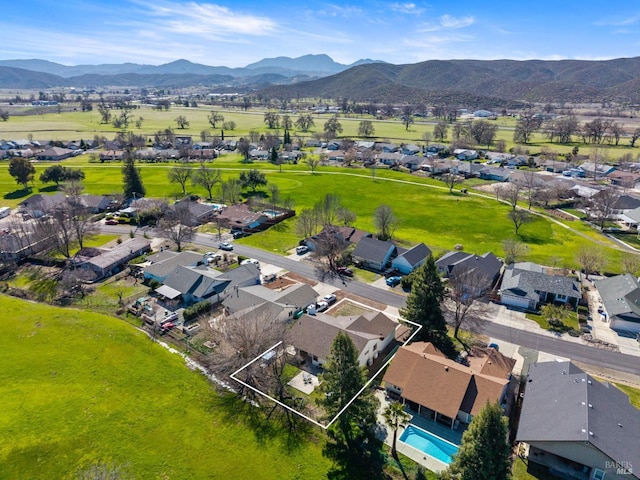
pixel 578 352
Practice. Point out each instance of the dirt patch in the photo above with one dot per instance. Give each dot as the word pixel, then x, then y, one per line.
pixel 365 301
pixel 280 282
pixel 347 308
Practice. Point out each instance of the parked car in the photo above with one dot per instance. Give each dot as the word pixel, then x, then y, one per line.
pixel 391 272
pixel 249 261
pixel 225 246
pixel 347 272
pixel 393 281
pixel 321 306
pixel 238 234
pixel 111 221
pixel 302 249
pixel 330 299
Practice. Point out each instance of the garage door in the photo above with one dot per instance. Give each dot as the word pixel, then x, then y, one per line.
pixel 517 302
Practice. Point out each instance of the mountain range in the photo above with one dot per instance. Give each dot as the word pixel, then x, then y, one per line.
pixel 481 83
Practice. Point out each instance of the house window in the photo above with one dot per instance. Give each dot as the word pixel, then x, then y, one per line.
pixel 561 297
pixel 598 474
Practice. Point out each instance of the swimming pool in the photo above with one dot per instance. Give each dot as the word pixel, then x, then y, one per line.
pixel 428 443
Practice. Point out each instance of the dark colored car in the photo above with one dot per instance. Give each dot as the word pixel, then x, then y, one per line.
pixel 391 272
pixel 347 272
pixel 111 222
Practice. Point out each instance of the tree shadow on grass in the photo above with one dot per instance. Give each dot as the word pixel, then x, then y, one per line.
pixel 17 194
pixel 48 188
pixel 268 423
pixel 532 240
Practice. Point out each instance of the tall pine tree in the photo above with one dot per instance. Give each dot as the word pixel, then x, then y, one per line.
pixel 485 451
pixel 131 180
pixel 352 445
pixel 423 307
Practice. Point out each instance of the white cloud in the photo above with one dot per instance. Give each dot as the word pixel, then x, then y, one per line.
pixel 619 22
pixel 408 8
pixel 332 10
pixel 205 19
pixel 447 22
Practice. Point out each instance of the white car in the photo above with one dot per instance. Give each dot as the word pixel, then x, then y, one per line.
pixel 330 299
pixel 321 306
pixel 249 261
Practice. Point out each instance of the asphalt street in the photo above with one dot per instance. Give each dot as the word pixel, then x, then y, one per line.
pixel 555 346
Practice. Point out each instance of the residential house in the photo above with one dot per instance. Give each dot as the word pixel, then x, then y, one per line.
pixel 484 114
pixel 410 149
pixel 468 169
pixel 487 267
pixel 407 261
pixel 577 426
pixel 527 285
pixel 195 212
pixel 447 392
pixel 197 284
pixel 391 159
pixel 437 165
pixel 370 332
pixel 183 141
pixel 112 155
pixel 277 304
pixel 54 154
pixel 630 218
pixel 258 154
pixel 373 253
pixel 465 154
pixel 498 157
pixel 596 170
pixel 388 147
pixel 555 166
pixel 240 217
pixel 435 148
pixel 96 203
pixel 346 235
pixel 18 245
pixel 498 174
pixel 312 142
pixel 111 261
pixel 621 302
pixel 160 265
pixel 333 146
pixel 38 205
pixel 414 162
pixel 625 179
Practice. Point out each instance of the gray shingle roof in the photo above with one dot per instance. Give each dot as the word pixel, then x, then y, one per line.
pixel 620 295
pixel 170 261
pixel 527 283
pixel 563 403
pixel 372 249
pixel 416 254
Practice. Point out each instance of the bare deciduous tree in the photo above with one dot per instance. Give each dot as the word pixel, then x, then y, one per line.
pixel 602 206
pixel 231 191
pixel 327 209
pixel 591 258
pixel 466 288
pixel 180 174
pixel 385 221
pixel 509 193
pixel 207 178
pixel 307 223
pixel 451 180
pixel 630 263
pixel 519 217
pixel 513 250
pixel 177 226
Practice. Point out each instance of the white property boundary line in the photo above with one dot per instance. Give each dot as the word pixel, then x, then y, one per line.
pixel 315 422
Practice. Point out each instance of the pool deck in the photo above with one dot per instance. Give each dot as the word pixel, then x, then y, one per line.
pixel 414 454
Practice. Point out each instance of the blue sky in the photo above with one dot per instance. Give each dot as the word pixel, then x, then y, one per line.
pixel 236 33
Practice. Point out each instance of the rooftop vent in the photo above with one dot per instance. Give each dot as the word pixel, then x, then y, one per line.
pixel 620 425
pixel 584 430
pixel 590 433
pixel 446 368
pixel 590 405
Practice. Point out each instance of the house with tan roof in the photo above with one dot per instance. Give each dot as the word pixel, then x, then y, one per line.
pixel 445 391
pixel 371 333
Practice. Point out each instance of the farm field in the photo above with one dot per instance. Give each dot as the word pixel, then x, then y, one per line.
pixel 82 389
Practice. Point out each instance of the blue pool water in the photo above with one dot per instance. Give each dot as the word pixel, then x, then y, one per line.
pixel 433 446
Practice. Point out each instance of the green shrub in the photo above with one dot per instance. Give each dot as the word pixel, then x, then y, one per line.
pixel 574 333
pixel 153 284
pixel 195 310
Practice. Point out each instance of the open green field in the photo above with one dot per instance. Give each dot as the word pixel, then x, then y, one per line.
pixel 426 211
pixel 75 125
pixel 80 389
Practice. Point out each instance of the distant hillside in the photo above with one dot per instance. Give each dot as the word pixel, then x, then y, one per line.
pixel 11 77
pixel 307 63
pixel 500 80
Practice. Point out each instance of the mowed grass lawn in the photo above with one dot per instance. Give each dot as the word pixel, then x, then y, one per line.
pixel 79 388
pixel 425 209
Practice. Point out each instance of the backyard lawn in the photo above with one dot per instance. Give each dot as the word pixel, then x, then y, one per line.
pixel 80 389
